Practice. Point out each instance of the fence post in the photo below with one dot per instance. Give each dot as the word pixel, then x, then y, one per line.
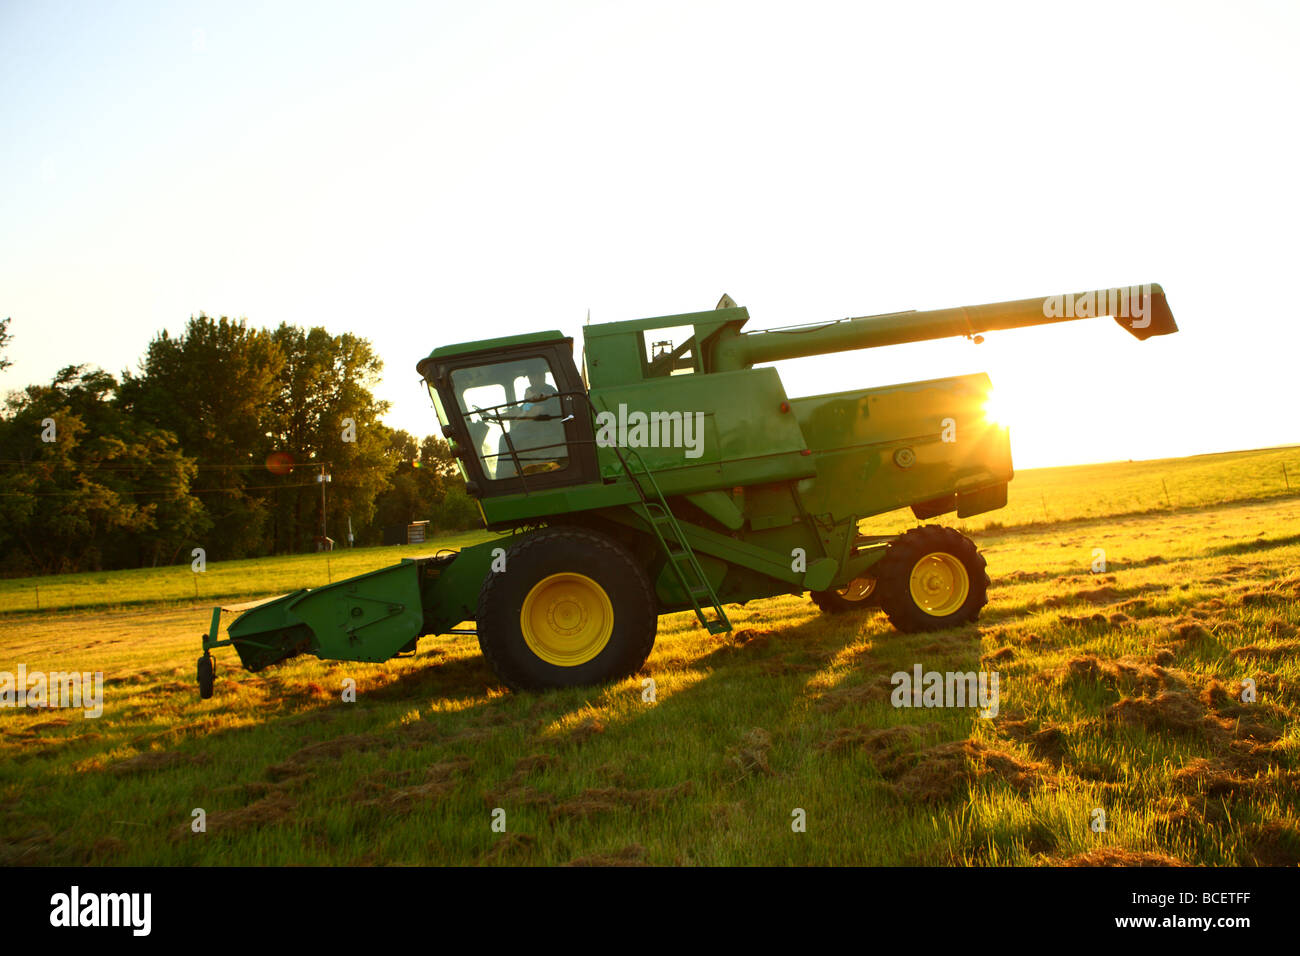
pixel 1286 477
pixel 1166 487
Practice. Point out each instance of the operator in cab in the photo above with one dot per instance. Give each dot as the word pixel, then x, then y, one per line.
pixel 536 431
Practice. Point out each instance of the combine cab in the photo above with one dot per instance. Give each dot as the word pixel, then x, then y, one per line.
pixel 676 476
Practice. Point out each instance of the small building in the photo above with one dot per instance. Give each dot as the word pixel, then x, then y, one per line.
pixel 417 532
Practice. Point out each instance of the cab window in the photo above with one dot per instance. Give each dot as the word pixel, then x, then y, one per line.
pixel 512 416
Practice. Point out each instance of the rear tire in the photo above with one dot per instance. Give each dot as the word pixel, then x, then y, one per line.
pixel 860 594
pixel 932 578
pixel 571 608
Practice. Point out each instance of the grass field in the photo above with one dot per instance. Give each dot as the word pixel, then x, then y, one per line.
pixel 1080 492
pixel 223 580
pixel 1119 691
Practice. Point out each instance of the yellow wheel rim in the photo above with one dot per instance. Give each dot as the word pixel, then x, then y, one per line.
pixel 567 619
pixel 939 584
pixel 859 589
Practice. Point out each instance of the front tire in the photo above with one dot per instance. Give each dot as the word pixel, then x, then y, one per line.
pixel 932 578
pixel 571 608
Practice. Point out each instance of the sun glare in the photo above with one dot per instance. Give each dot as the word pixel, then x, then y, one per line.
pixel 997 409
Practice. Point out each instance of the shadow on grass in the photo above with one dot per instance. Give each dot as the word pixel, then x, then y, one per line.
pixel 284 769
pixel 1259 544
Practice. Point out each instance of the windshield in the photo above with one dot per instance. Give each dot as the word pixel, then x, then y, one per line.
pixel 512 415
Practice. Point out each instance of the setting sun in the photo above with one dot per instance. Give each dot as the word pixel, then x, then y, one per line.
pixel 997 410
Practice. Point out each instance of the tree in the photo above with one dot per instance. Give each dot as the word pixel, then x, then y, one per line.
pixel 401 501
pixel 177 454
pixel 5 338
pixel 453 509
pixel 84 485
pixel 425 485
pixel 212 387
pixel 327 417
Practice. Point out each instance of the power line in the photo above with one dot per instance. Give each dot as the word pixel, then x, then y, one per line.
pixel 151 491
pixel 120 464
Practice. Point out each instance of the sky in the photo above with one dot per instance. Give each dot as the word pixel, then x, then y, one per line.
pixel 430 173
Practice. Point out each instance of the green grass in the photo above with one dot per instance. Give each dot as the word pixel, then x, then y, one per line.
pixel 1118 691
pixel 221 581
pixel 1078 492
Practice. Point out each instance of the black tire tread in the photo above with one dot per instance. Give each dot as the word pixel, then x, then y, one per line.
pixel 588 540
pixel 895 570
pixel 207 674
pixel 832 602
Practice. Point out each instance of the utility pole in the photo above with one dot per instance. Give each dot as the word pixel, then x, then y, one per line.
pixel 324 479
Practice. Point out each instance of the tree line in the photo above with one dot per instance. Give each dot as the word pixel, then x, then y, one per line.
pixel 193 450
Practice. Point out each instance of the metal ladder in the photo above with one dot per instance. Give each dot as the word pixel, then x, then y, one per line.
pixel 681 558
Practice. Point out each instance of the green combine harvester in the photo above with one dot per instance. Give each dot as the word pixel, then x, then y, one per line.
pixel 675 475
